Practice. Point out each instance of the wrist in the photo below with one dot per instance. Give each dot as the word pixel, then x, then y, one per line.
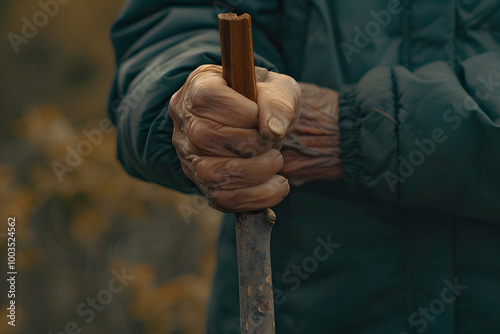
pixel 312 151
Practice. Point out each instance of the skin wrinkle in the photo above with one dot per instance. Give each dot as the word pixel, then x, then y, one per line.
pixel 231 165
pixel 226 174
pixel 312 150
pixel 220 149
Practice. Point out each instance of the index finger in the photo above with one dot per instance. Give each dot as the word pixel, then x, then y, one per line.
pixel 212 98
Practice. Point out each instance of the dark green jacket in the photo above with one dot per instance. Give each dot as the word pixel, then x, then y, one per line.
pixel 409 240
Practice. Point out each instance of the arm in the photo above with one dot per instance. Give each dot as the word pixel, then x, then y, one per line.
pixel 157 45
pixel 312 150
pixel 426 139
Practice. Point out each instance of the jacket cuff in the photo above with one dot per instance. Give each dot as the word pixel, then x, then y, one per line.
pixel 349 124
pixel 369 134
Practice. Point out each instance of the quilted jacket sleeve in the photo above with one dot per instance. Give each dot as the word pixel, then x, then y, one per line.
pixel 427 138
pixel 157 44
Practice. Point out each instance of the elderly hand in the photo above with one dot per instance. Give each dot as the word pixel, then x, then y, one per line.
pixel 224 140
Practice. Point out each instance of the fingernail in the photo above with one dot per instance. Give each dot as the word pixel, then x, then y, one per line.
pixel 279 162
pixel 287 187
pixel 276 126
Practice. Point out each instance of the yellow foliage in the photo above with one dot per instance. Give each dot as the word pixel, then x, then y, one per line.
pixel 66 227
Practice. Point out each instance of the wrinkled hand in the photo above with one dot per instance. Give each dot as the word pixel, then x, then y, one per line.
pixel 224 140
pixel 312 150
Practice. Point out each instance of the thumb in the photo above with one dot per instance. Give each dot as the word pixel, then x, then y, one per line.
pixel 278 97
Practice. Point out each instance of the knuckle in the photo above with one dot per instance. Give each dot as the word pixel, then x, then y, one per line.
pixel 273 192
pixel 208 173
pixel 278 188
pixel 283 104
pixel 176 140
pixel 175 110
pixel 202 93
pixel 219 200
pixel 232 167
pixel 203 69
pixel 203 171
pixel 252 146
pixel 172 110
pixel 261 73
pixel 209 68
pixel 229 173
pixel 174 102
pixel 219 175
pixel 199 78
pixel 231 199
pixel 196 133
pixel 179 143
pixel 269 165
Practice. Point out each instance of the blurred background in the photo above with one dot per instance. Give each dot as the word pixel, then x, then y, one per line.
pixel 97 251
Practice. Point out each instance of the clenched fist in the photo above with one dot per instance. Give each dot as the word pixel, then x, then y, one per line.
pixel 224 140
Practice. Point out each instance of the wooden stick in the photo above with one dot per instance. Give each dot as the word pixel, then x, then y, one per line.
pixel 253 229
pixel 237 53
